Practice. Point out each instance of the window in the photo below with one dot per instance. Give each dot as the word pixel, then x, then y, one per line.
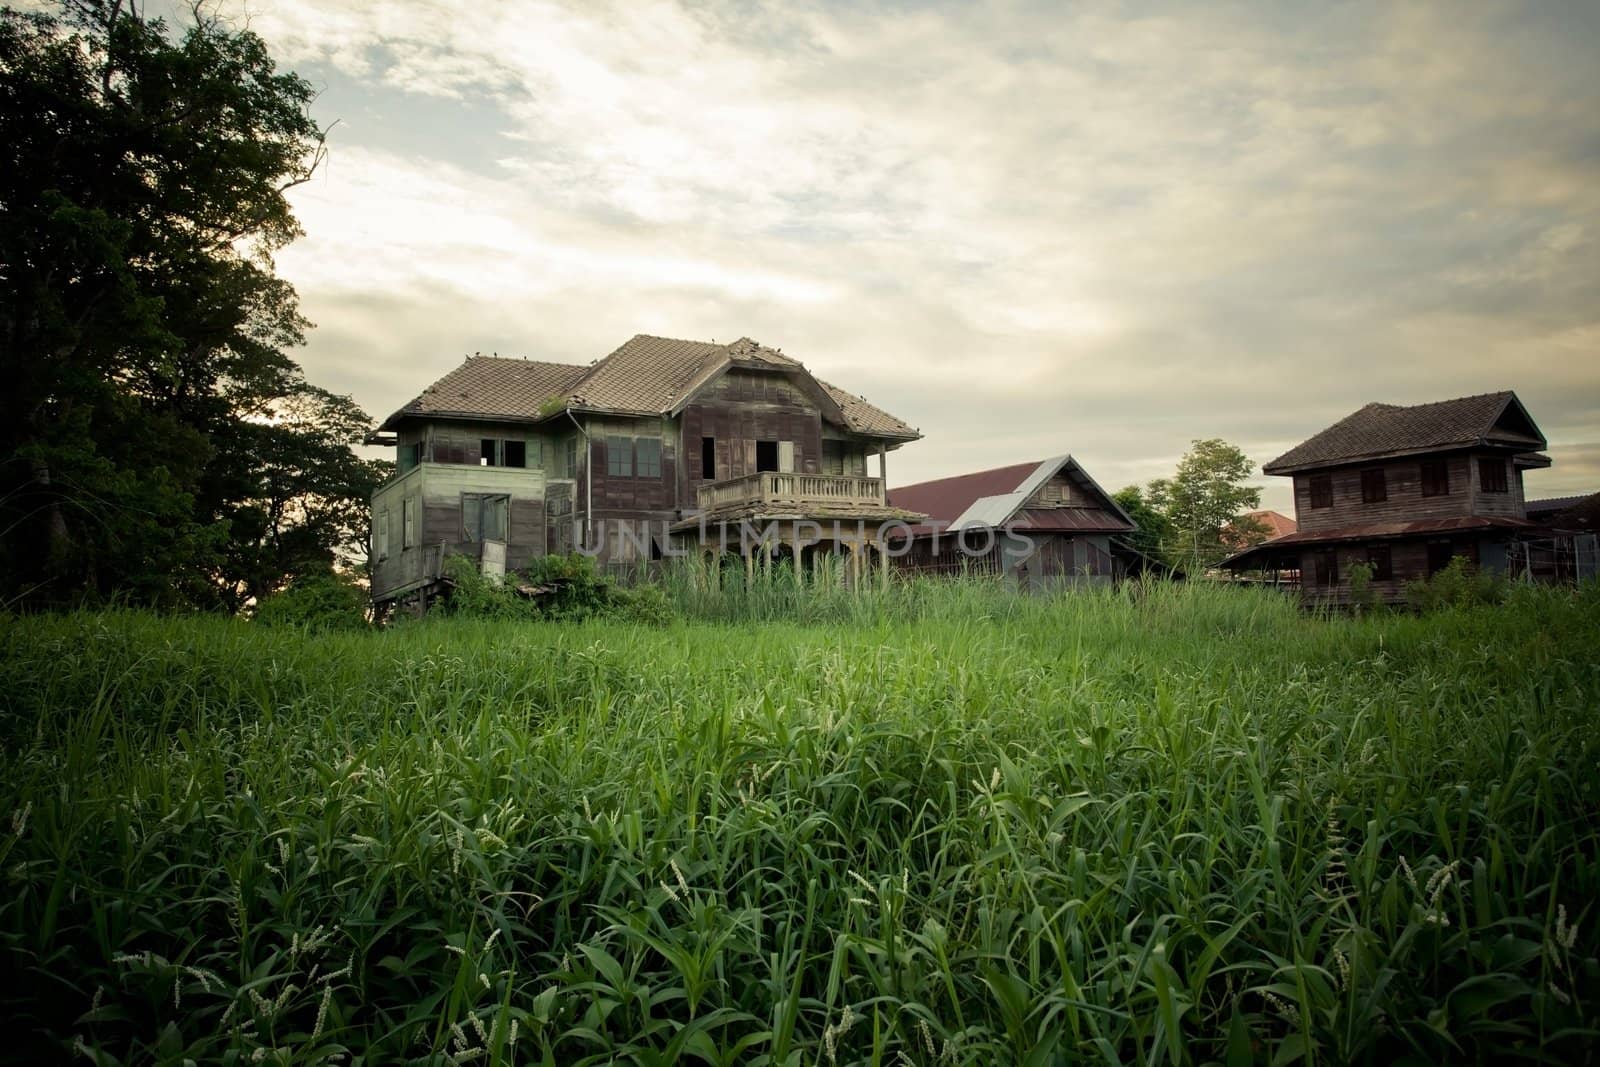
pixel 488 452
pixel 647 457
pixel 1435 477
pixel 1327 568
pixel 572 457
pixel 408 522
pixel 1439 555
pixel 380 535
pixel 514 453
pixel 1321 491
pixel 1492 475
pixel 1378 559
pixel 708 458
pixel 1374 486
pixel 483 516
pixel 410 455
pixel 766 455
pixel 619 457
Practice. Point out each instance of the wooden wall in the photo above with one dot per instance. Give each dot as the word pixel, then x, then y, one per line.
pixel 739 409
pixel 1405 501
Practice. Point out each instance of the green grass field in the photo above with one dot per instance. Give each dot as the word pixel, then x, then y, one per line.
pixel 941 826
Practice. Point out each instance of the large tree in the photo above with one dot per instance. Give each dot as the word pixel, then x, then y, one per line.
pixel 1205 495
pixel 152 409
pixel 1154 532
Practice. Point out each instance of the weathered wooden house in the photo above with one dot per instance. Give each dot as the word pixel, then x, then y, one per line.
pixel 663 445
pixel 1404 490
pixel 1038 523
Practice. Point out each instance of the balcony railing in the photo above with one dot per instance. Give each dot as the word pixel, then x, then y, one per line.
pixel 786 491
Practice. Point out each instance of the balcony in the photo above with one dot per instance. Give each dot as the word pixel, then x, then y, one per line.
pixel 787 493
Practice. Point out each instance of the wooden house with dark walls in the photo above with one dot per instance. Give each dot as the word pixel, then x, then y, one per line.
pixel 662 446
pixel 1404 489
pixel 1038 523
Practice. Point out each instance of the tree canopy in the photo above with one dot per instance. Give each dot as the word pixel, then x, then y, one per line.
pixel 1206 495
pixel 158 442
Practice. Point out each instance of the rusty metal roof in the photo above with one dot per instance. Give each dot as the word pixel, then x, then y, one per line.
pixel 995 497
pixel 1383 531
pixel 1379 430
pixel 645 376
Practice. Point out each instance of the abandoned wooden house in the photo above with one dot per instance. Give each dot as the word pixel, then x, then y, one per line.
pixel 1037 523
pixel 662 446
pixel 1404 490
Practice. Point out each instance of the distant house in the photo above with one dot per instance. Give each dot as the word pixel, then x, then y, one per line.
pixel 663 445
pixel 1404 490
pixel 1566 547
pixel 1036 522
pixel 1273 523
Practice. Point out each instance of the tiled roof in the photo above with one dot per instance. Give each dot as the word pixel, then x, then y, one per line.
pixel 866 418
pixel 1554 504
pixel 490 387
pixel 1387 429
pixel 646 376
pixel 1277 523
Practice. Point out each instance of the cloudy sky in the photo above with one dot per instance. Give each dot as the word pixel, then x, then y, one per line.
pixel 1028 229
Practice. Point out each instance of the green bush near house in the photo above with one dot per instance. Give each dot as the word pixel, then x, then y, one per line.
pixel 1459 584
pixel 316 602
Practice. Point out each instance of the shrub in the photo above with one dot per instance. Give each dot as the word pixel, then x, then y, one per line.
pixel 1363 598
pixel 1459 584
pixel 316 602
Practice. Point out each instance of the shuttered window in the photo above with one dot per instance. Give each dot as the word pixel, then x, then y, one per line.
pixel 483 516
pixel 1435 477
pixel 1492 475
pixel 1321 491
pixel 1327 568
pixel 1374 486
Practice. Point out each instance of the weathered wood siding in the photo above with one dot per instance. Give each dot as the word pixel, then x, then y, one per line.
pixel 1405 503
pixel 460 442
pixel 739 409
pixel 434 491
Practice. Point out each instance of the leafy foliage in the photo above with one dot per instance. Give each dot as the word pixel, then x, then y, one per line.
pixel 1203 499
pixel 1154 533
pixel 1458 584
pixel 316 602
pixel 1155 825
pixel 157 442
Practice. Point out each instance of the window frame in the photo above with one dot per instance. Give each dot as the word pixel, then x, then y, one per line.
pixel 1500 482
pixel 489 452
pixel 1326 567
pixel 1380 557
pixel 408 522
pixel 619 456
pixel 647 457
pixel 708 458
pixel 1433 477
pixel 1320 489
pixel 1374 485
pixel 762 446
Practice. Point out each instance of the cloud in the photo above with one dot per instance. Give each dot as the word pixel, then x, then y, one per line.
pixel 1024 229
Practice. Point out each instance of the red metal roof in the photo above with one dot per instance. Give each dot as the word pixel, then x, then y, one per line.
pixel 944 499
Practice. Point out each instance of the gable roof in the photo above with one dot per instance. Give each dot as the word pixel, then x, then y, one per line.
pixel 645 376
pixel 995 497
pixel 1390 429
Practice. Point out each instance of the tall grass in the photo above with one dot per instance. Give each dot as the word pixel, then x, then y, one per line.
pixel 928 825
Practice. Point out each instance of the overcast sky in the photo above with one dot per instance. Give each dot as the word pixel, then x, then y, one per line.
pixel 1104 229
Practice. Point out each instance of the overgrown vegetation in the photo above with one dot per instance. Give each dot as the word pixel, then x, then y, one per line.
pixel 1162 824
pixel 1459 584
